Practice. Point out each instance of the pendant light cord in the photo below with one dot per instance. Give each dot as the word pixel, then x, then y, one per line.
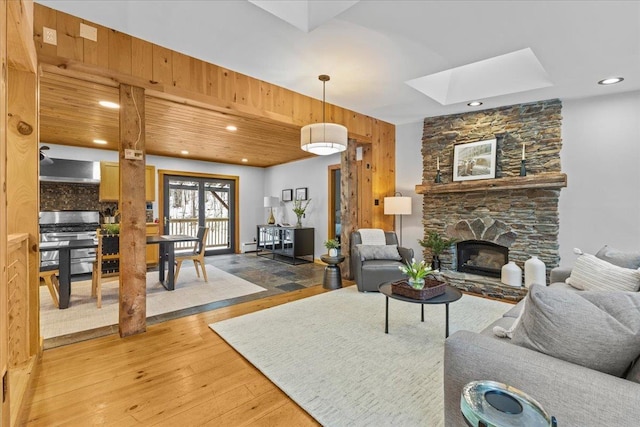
pixel 324 83
pixel 324 78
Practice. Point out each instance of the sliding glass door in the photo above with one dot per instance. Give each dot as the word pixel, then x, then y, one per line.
pixel 190 202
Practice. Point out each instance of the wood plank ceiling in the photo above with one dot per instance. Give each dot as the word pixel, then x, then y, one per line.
pixel 70 115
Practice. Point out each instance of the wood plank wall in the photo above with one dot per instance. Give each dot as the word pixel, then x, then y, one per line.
pixel 178 76
pixel 162 69
pixel 4 334
pixel 384 172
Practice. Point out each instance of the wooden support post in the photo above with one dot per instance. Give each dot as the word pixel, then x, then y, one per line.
pixel 348 203
pixel 23 202
pixel 4 318
pixel 133 265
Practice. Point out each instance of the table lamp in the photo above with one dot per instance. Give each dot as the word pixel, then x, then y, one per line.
pixel 271 202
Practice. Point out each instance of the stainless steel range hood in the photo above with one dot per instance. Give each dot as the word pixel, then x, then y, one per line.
pixel 66 170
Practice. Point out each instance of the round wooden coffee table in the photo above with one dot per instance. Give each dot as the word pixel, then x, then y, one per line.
pixel 450 295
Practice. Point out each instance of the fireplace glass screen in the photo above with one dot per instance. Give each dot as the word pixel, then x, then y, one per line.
pixel 482 258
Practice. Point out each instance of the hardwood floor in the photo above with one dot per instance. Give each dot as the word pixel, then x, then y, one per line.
pixel 177 373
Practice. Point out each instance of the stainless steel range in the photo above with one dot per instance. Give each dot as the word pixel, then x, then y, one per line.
pixel 69 225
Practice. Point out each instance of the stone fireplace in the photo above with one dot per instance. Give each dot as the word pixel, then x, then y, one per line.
pixel 507 218
pixel 480 257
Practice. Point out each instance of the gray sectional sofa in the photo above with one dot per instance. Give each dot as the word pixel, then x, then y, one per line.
pixel 576 395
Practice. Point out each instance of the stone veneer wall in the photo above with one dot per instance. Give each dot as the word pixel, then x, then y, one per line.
pixel 529 216
pixel 62 196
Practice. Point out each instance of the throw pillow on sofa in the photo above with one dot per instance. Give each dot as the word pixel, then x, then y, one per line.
pixel 594 274
pixel 368 252
pixel 620 258
pixel 598 330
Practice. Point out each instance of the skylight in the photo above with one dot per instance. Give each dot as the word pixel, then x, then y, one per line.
pixel 513 72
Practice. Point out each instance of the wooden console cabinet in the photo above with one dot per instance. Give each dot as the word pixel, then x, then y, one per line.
pixel 288 244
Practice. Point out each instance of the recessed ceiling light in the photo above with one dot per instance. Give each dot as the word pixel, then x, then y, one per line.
pixel 474 104
pixel 610 81
pixel 109 104
pixel 245 160
pixel 184 152
pixel 232 128
pixel 100 141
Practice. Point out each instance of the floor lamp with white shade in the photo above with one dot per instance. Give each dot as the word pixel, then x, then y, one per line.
pixel 397 205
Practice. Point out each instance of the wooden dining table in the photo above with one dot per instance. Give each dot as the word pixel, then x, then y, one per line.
pixel 166 260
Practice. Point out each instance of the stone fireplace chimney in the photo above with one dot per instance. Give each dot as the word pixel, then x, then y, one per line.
pixel 519 213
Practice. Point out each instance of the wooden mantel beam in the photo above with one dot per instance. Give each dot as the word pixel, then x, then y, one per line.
pixel 544 180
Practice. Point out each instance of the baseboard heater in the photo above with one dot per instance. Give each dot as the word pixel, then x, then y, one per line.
pixel 248 247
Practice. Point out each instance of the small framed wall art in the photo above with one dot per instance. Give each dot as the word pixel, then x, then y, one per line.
pixel 301 193
pixel 474 160
pixel 287 195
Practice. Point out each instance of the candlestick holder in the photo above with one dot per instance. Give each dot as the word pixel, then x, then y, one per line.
pixel 523 167
pixel 438 179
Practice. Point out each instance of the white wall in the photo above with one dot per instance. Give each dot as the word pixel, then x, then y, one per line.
pixel 312 173
pixel 408 175
pixel 601 157
pixel 251 180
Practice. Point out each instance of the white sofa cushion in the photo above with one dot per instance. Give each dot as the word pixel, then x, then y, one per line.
pixel 594 274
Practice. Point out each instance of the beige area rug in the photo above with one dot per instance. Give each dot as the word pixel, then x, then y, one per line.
pixel 330 354
pixel 191 291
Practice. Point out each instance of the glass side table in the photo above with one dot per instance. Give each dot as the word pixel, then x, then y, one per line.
pixel 493 404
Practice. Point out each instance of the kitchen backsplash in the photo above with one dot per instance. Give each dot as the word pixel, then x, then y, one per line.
pixel 61 196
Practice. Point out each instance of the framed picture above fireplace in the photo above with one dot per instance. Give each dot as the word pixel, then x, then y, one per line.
pixel 474 160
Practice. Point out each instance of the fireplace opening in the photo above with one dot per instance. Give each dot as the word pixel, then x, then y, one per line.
pixel 481 257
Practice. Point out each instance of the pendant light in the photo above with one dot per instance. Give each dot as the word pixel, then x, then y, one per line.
pixel 323 138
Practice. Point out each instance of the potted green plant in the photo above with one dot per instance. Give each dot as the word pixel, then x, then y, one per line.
pixel 299 209
pixel 437 245
pixel 111 229
pixel 332 245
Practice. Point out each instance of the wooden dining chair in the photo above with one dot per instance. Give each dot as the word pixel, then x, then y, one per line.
pixel 106 265
pixel 197 255
pixel 50 278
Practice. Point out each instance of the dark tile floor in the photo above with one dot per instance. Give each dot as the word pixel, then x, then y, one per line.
pixel 276 277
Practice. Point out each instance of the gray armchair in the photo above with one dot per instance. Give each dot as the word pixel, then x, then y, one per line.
pixel 370 273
